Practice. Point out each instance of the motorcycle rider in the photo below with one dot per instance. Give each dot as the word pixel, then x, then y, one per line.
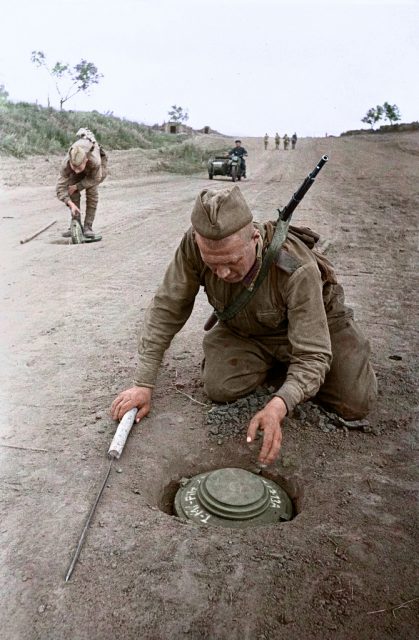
pixel 240 151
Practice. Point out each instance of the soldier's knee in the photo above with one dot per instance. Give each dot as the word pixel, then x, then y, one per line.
pixel 218 392
pixel 354 403
pixel 365 400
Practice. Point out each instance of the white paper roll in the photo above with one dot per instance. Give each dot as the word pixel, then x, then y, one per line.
pixel 122 434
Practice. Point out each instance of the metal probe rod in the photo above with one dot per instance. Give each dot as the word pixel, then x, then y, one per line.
pixel 86 526
pixel 114 452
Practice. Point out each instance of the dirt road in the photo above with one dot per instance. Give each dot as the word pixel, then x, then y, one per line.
pixel 344 567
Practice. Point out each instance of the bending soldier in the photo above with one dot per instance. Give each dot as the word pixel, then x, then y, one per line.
pixel 296 319
pixel 83 169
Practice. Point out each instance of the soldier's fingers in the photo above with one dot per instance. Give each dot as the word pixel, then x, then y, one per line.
pixel 119 398
pixel 122 405
pixel 275 446
pixel 119 411
pixel 252 428
pixel 141 413
pixel 267 444
pixel 114 406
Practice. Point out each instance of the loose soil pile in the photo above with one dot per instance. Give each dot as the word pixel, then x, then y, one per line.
pixel 344 566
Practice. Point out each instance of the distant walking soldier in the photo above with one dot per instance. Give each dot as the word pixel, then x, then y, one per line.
pixel 286 141
pixel 277 140
pixel 293 140
pixel 83 168
pixel 266 140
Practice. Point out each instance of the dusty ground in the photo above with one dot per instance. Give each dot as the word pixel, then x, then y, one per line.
pixel 345 566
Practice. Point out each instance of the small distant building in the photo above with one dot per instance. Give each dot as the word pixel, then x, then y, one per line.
pixel 175 127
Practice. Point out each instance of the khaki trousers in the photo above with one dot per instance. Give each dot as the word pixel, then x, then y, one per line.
pixel 92 194
pixel 234 366
pixel 92 199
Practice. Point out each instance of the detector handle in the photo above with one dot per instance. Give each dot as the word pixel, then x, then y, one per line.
pixel 122 433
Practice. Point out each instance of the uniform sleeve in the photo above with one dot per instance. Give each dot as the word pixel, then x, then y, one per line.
pixel 308 336
pixel 62 184
pixel 167 313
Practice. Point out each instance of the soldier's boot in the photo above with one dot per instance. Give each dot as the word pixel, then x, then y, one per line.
pixel 88 232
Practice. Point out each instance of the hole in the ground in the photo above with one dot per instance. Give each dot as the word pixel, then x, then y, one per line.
pixel 233 497
pixel 168 497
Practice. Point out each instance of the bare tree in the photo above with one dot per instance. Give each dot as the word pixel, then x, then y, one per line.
pixel 69 81
pixel 391 112
pixel 373 115
pixel 178 114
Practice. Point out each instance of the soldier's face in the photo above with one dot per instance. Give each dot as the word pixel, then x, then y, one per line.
pixel 229 259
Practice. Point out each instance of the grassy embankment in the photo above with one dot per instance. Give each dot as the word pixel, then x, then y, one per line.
pixel 29 129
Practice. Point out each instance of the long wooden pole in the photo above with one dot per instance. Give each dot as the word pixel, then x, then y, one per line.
pixel 38 232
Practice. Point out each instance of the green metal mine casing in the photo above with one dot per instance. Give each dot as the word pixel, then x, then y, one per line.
pixel 233 498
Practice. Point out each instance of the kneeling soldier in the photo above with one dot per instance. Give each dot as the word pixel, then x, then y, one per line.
pixel 296 317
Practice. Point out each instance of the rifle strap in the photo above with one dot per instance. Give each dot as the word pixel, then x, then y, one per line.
pixel 244 296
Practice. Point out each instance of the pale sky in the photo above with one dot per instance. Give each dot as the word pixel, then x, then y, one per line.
pixel 243 67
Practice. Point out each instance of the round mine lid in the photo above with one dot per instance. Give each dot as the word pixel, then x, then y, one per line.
pixel 234 498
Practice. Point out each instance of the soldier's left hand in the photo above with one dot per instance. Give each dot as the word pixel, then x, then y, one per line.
pixel 72 189
pixel 269 421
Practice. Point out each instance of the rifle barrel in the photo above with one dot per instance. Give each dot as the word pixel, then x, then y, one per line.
pixel 287 212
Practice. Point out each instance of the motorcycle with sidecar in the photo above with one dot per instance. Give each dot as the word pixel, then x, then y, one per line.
pixel 226 165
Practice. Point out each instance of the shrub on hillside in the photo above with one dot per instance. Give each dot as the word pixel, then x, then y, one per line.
pixel 29 129
pixel 186 158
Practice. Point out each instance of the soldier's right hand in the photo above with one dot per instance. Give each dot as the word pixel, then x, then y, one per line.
pixel 75 211
pixel 139 397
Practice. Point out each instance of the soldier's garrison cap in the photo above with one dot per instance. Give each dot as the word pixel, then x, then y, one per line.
pixel 77 155
pixel 218 214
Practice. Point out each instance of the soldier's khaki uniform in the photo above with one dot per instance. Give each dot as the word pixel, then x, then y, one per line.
pixel 277 141
pixel 95 172
pixel 296 317
pixel 286 141
pixel 265 140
